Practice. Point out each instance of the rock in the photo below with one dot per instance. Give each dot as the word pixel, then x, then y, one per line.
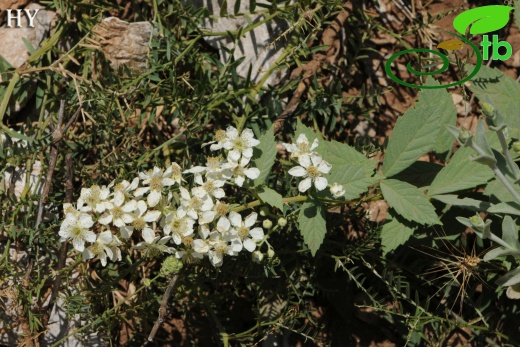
pixel 125 43
pixel 257 46
pixel 12 46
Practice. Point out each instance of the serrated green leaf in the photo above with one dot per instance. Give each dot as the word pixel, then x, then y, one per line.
pixel 416 132
pixel 337 153
pixel 420 173
pixel 264 154
pixel 467 203
pixel 312 224
pixel 460 173
pixel 394 234
pixel 271 197
pixel 409 202
pixel 502 89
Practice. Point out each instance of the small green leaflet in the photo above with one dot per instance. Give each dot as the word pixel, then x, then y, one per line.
pixel 313 226
pixel 409 202
pixel 420 129
pixel 270 197
pixel 264 154
pixel 394 234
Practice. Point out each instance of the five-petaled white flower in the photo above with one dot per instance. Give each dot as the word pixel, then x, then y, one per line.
pixel 100 249
pixel 178 225
pixel 140 218
pixel 240 145
pixel 77 227
pixel 156 180
pixel 122 190
pixel 239 172
pixel 301 147
pixel 119 214
pixel 94 199
pixel 247 236
pixel 154 247
pixel 192 205
pixel 312 169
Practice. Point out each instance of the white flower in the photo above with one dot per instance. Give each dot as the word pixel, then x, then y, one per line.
pixel 76 227
pixel 155 247
pixel 122 190
pixel 140 217
pixel 119 215
pixel 220 138
pixel 156 180
pixel 221 245
pixel 210 187
pixel 240 145
pixel 312 168
pixel 301 147
pixel 192 205
pixel 100 248
pixel 242 230
pixel 178 225
pixel 94 199
pixel 239 172
pixel 337 190
pixel 176 173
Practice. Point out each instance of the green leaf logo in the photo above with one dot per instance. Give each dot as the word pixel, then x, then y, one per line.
pixel 482 19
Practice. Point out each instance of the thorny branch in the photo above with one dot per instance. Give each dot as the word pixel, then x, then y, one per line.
pixel 330 39
pixel 162 309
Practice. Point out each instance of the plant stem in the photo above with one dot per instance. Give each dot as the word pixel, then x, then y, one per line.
pixel 507 154
pixel 505 182
pixel 256 203
pixel 164 305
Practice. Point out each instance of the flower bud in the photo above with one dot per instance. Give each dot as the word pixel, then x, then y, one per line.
pixel 476 221
pixel 464 136
pixel 516 147
pixel 147 282
pixel 282 222
pixel 264 211
pixel 170 265
pixel 267 224
pixel 270 253
pixel 337 190
pixel 257 256
pixel 488 110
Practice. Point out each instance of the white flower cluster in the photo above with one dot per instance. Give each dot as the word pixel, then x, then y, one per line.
pixel 312 166
pixel 196 224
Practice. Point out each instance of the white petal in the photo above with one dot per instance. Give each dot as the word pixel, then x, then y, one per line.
pixel 168 182
pixel 151 216
pixel 126 231
pixel 324 167
pixel 314 144
pixel 105 237
pixel 130 206
pixel 257 233
pixel 316 159
pixel 89 236
pixel 85 221
pixel 298 171
pixel 250 245
pixel 153 198
pixel 305 185
pixel 234 155
pixel 252 173
pixel 320 183
pixel 78 244
pixel 148 235
pixel 250 220
pixel 239 181
pixel 105 218
pixel 248 152
pixel 304 160
pixel 200 246
pixel 141 191
pixel 219 193
pixel 235 218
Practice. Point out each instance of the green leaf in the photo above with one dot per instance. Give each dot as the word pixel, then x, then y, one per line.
pixel 511 207
pixel 337 153
pixel 417 131
pixel 502 89
pixel 409 202
pixel 498 192
pixel 467 203
pixel 313 226
pixel 355 178
pixel 483 19
pixel 394 234
pixel 460 173
pixel 510 278
pixel 510 232
pixel 264 154
pixel 271 197
pixel 420 173
pixel 517 14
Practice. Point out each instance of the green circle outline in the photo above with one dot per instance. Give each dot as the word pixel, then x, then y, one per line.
pixel 441 70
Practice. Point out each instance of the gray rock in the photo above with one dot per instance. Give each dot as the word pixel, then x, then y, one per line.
pixel 257 46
